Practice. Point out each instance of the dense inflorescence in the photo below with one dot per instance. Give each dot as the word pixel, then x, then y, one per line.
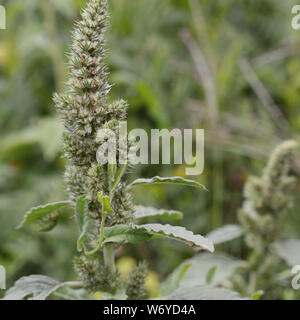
pixel 95 276
pixel 85 108
pixel 135 286
pixel 268 198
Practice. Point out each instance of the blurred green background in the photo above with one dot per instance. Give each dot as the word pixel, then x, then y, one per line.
pixel 230 67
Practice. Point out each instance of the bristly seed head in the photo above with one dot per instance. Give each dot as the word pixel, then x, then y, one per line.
pixel 85 109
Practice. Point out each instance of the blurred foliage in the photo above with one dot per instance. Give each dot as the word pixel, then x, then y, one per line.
pixel 179 63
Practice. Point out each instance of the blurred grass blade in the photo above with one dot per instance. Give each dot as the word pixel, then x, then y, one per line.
pixel 210 275
pixel 173 281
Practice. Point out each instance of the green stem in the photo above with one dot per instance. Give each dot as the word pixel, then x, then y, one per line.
pixel 73 284
pixel 102 229
pixel 100 243
pixel 109 257
pixel 252 282
pixel 217 214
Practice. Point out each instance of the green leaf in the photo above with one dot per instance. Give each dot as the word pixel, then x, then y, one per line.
pixel 48 222
pixel 210 274
pixel 202 264
pixel 173 281
pixel 81 214
pixel 106 204
pixel 169 180
pixel 177 233
pixel 81 206
pixel 105 201
pixel 145 212
pixel 39 212
pixel 200 292
pixel 37 286
pixel 106 208
pixel 289 251
pixel 124 234
pixel 225 234
pixel 100 197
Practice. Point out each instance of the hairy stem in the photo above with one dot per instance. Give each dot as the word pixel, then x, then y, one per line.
pixel 252 282
pixel 73 284
pixel 109 257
